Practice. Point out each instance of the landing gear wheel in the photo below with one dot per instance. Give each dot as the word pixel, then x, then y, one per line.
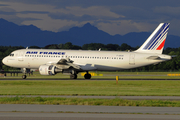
pixel 24 77
pixel 87 76
pixel 73 76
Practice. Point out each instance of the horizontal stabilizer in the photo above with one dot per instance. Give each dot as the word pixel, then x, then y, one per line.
pixel 153 57
pixel 159 57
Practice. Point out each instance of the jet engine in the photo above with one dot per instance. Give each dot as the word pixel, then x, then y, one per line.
pixel 47 70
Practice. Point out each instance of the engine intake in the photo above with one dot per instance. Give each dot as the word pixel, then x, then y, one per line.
pixel 47 70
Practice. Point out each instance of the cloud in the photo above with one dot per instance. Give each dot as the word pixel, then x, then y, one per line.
pixel 136 14
pixel 44 22
pixel 168 11
pixel 63 16
pixel 114 17
pixel 123 27
pixel 36 12
pixel 78 12
pixel 3 5
pixel 7 13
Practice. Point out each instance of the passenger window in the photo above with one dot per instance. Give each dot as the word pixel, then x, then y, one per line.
pixel 11 55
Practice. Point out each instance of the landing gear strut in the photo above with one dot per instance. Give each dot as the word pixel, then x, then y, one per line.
pixel 87 75
pixel 25 70
pixel 73 76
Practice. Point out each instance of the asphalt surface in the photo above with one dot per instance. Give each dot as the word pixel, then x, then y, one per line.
pixel 82 116
pixel 69 112
pixel 88 109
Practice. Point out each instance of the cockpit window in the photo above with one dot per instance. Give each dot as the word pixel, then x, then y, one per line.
pixel 11 55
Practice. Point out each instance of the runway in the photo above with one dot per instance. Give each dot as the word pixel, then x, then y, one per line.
pixel 83 116
pixel 78 112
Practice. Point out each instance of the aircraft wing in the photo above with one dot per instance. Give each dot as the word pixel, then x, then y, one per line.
pixel 68 62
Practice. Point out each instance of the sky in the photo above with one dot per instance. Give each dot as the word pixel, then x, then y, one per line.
pixel 111 16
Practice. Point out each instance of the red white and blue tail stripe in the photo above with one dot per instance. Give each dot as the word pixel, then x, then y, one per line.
pixel 155 42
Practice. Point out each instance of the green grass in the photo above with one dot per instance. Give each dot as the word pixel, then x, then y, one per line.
pixel 91 87
pixel 81 101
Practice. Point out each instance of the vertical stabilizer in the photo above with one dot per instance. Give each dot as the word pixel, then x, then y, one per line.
pixel 155 42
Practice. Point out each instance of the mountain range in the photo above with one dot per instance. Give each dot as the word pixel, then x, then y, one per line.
pixel 29 35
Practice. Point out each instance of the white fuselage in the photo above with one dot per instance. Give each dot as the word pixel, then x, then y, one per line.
pixel 51 62
pixel 87 60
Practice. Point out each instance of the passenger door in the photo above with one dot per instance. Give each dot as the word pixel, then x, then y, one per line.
pixel 132 59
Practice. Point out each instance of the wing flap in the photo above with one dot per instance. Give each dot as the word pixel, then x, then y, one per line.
pixel 68 62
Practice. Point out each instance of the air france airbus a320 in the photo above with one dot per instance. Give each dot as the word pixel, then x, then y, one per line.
pixel 51 62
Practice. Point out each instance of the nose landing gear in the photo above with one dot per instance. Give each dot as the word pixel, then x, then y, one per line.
pixel 24 77
pixel 25 71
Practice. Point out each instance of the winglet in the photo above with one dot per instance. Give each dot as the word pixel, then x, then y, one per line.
pixel 155 42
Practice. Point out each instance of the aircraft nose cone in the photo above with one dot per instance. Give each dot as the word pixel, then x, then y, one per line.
pixel 4 61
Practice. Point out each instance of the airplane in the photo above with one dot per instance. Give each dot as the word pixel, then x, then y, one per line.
pixel 72 62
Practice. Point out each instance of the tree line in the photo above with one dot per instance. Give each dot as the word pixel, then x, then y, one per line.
pixel 172 65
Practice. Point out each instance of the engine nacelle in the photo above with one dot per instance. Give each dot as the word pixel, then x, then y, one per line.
pixel 47 70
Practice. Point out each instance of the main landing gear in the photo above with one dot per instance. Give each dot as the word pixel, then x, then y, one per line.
pixel 73 76
pixel 87 75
